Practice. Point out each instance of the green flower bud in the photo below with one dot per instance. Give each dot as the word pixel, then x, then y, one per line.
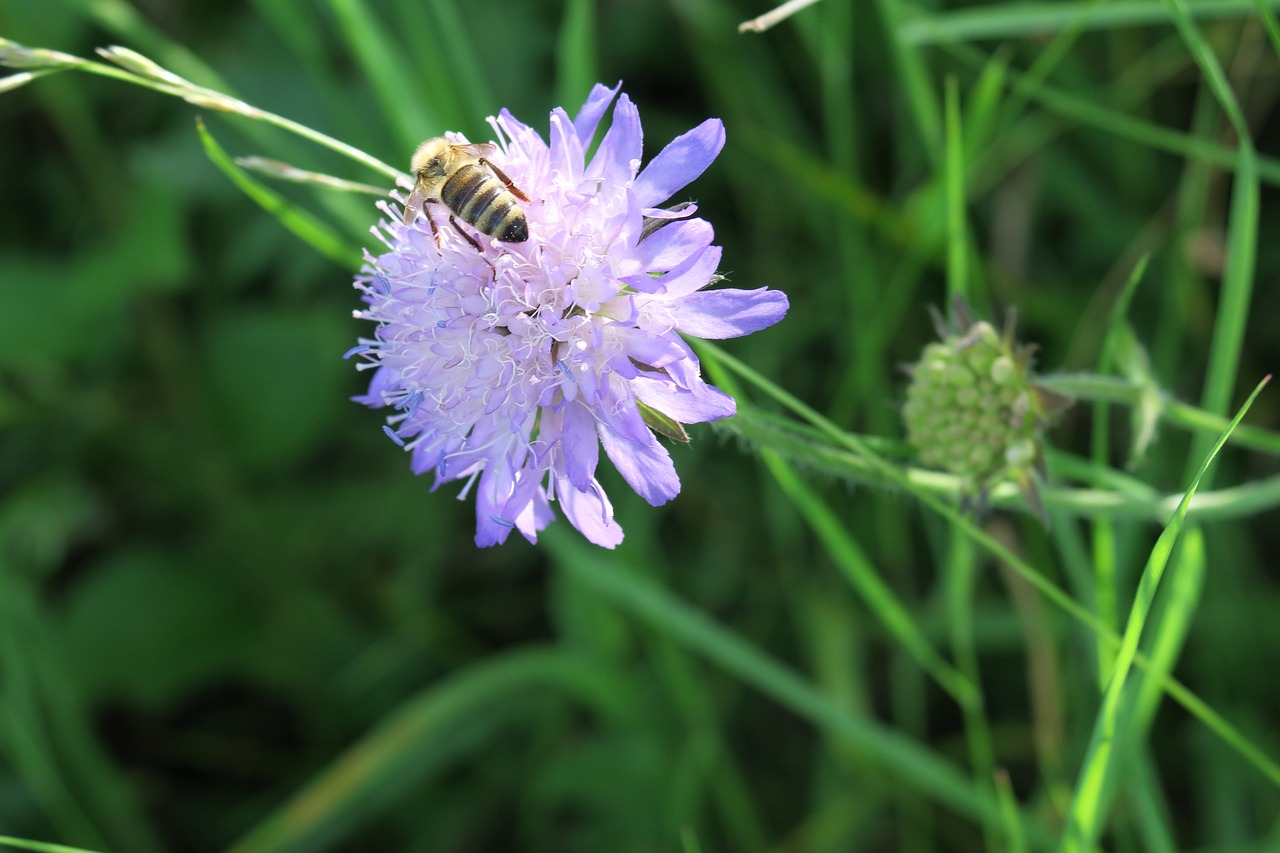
pixel 972 409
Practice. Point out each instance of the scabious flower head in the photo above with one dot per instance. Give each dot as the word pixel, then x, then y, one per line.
pixel 972 408
pixel 510 366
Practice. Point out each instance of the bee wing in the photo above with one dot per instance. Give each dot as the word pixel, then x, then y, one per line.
pixel 477 149
pixel 413 206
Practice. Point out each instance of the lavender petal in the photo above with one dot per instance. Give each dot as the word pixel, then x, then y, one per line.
pixel 685 158
pixel 729 313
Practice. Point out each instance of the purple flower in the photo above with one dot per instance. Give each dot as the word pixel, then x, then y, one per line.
pixel 509 367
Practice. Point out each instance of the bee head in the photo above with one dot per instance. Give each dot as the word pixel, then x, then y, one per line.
pixel 430 161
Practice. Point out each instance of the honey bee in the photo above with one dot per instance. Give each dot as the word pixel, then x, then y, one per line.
pixel 457 175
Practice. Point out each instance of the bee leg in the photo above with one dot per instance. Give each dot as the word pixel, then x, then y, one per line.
pixel 502 176
pixel 475 245
pixel 435 232
pixel 466 236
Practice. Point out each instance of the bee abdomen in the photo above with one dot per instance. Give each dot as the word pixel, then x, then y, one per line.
pixel 480 199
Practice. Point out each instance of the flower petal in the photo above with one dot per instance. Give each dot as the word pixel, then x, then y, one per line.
pixel 535 516
pixel 581 449
pixel 649 348
pixel 646 466
pixel 489 532
pixel 676 211
pixel 588 118
pixel 619 152
pixel 427 454
pixel 728 313
pixel 383 380
pixel 528 504
pixel 695 405
pixel 513 126
pixel 617 410
pixel 673 244
pixel 685 158
pixel 590 512
pixel 566 157
pixel 694 273
pixel 497 481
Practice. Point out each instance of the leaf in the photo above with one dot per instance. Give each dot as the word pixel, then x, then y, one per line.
pixel 663 424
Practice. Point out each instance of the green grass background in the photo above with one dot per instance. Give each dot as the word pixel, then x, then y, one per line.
pixel 231 619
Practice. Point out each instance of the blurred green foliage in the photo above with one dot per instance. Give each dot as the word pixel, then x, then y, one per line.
pixel 230 617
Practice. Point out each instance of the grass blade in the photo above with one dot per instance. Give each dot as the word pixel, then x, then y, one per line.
pixel 308 228
pixel 915 75
pixel 40 846
pixel 953 178
pixel 717 361
pixel 1085 819
pixel 881 745
pixel 996 20
pixel 388 72
pixel 1242 233
pixel 576 62
pixel 424 734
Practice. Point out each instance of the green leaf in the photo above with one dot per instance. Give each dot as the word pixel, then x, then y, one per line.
pixel 663 424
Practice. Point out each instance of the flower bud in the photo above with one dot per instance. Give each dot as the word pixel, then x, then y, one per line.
pixel 973 410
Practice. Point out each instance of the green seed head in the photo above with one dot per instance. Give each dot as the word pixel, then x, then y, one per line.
pixel 971 408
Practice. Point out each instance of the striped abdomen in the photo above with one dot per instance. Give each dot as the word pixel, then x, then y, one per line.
pixel 480 199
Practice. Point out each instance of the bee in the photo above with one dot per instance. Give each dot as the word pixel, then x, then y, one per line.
pixel 457 175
